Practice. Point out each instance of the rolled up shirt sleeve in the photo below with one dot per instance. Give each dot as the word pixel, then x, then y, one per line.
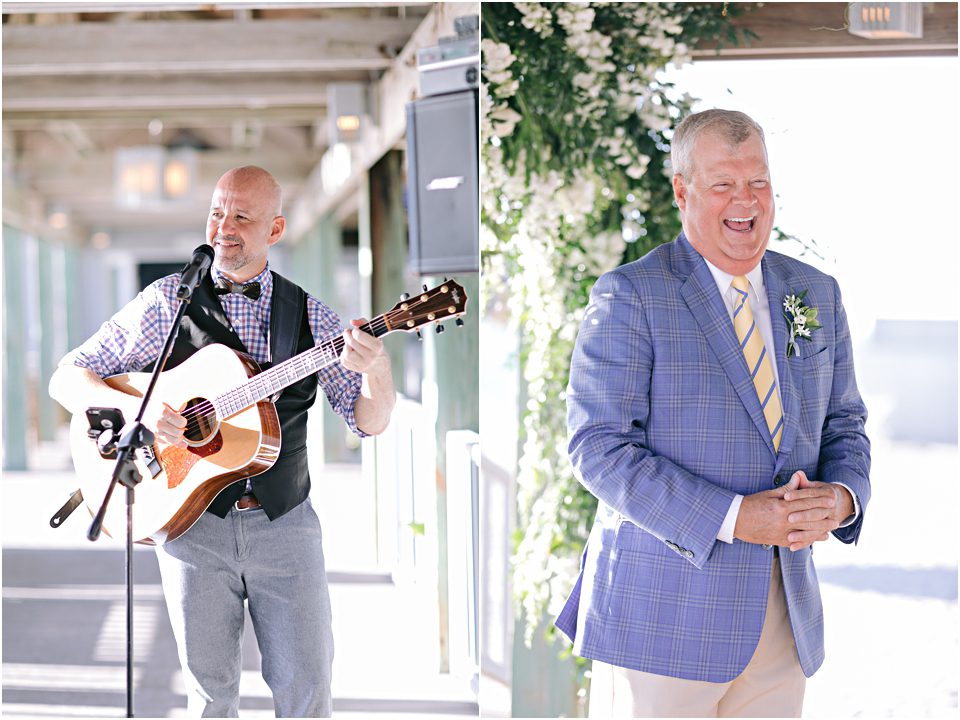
pixel 132 338
pixel 341 386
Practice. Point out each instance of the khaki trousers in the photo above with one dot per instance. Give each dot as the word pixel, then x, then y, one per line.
pixel 771 685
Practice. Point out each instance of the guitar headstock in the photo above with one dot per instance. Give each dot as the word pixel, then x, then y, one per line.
pixel 446 301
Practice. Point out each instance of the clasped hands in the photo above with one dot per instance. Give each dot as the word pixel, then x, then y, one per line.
pixel 796 515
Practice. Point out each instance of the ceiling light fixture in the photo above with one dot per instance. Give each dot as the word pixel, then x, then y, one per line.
pixel 347 110
pixel 58 218
pixel 886 20
pixel 153 177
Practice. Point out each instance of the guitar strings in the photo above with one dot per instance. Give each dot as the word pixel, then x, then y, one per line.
pixel 206 410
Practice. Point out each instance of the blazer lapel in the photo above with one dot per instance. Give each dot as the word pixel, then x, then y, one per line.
pixel 707 307
pixel 790 370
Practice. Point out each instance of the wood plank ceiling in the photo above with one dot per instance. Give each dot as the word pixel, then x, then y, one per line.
pixel 242 82
pixel 819 30
pixel 245 82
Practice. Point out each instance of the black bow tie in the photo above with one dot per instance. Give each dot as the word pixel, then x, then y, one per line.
pixel 250 290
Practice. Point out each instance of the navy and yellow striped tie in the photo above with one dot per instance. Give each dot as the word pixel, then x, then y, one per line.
pixel 758 361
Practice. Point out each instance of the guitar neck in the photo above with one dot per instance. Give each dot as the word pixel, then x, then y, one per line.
pixel 269 382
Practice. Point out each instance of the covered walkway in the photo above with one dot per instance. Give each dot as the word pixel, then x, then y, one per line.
pixel 64 606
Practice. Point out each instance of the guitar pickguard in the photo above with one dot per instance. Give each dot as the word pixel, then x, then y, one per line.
pixel 177 461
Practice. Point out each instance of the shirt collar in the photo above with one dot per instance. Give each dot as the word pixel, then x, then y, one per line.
pixel 265 278
pixel 723 279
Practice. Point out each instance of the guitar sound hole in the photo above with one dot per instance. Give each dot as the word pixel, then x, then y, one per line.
pixel 201 421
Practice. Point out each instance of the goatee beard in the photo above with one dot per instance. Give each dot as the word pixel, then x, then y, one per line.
pixel 229 264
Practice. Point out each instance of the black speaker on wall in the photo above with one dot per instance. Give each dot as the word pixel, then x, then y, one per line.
pixel 443 184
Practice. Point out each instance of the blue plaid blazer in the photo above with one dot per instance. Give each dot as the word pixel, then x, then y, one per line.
pixel 665 427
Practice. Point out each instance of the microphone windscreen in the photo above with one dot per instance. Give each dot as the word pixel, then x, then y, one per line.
pixel 206 250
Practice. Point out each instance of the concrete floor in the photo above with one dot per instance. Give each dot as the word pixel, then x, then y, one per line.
pixel 64 631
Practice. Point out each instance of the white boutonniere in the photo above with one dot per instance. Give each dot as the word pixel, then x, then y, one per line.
pixel 802 320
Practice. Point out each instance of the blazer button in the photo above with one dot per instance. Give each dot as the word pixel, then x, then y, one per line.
pixel 766 547
pixel 778 481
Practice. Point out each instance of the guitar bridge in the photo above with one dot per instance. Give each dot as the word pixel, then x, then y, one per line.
pixel 150 458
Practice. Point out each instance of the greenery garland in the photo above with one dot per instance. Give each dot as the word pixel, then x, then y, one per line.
pixel 576 179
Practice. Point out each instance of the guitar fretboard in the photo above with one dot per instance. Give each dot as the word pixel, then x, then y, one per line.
pixel 265 384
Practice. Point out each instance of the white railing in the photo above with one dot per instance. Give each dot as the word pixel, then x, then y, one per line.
pixel 463 551
pixel 498 498
pixel 402 466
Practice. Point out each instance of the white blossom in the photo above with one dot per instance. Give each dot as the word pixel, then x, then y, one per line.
pixel 537 17
pixel 505 119
pixel 496 56
pixel 575 18
pixel 538 265
pixel 508 88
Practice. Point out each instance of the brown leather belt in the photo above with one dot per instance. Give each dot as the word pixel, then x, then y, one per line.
pixel 247 501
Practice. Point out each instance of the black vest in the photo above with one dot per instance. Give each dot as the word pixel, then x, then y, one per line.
pixel 287 483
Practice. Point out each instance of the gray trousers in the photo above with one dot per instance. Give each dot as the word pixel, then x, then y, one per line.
pixel 278 568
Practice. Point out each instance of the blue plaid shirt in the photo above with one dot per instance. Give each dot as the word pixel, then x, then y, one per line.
pixel 133 338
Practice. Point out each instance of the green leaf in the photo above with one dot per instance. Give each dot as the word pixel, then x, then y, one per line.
pixel 418 528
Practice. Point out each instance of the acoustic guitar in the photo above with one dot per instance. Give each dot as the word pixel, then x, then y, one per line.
pixel 232 432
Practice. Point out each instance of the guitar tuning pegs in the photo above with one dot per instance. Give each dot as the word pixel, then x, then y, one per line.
pixel 424 288
pixel 419 336
pixel 459 322
pixel 439 328
pixel 404 296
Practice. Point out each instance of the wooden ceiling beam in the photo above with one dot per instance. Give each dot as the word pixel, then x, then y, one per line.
pixel 818 30
pixel 138 6
pixel 202 46
pixel 96 170
pixel 71 95
pixel 172 117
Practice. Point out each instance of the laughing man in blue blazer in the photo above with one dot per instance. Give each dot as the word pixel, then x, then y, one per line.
pixel 714 412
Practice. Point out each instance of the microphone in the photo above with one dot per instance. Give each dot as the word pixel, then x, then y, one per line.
pixel 193 272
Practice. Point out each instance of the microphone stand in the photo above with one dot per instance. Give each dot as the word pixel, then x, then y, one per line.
pixel 135 436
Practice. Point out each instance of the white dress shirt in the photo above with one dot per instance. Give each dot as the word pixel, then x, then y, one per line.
pixel 761 316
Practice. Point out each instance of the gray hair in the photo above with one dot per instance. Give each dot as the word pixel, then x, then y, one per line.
pixel 733 126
